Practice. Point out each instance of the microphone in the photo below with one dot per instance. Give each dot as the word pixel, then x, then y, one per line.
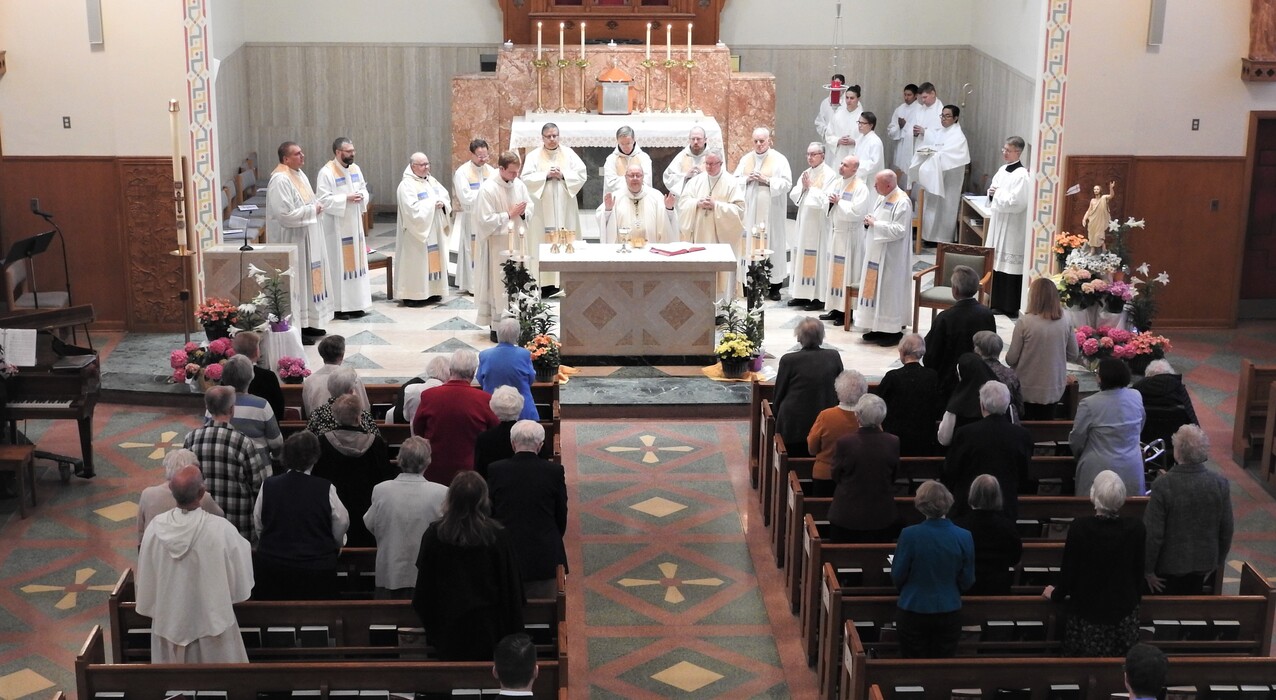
pixel 35 209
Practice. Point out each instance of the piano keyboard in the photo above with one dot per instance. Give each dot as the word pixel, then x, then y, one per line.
pixel 39 403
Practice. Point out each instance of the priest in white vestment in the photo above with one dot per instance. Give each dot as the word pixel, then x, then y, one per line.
pixel 424 223
pixel 810 249
pixel 900 134
pixel 869 149
pixel 553 174
pixel 502 200
pixel 885 300
pixel 711 210
pixel 829 104
pixel 639 208
pixel 192 567
pixel 293 219
pixel 842 130
pixel 344 192
pixel 849 202
pixel 940 167
pixel 465 187
pixel 688 163
pixel 627 152
pixel 1008 198
pixel 765 175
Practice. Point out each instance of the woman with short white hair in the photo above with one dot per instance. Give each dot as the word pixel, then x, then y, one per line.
pixel 831 425
pixel 864 466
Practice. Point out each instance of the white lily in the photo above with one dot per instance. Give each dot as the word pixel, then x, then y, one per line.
pixel 253 269
pixel 1163 278
pixel 1114 225
pixel 1144 270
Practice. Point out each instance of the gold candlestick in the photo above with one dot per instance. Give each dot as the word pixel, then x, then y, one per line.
pixel 562 103
pixel 669 64
pixel 690 66
pixel 540 64
pixel 646 91
pixel 582 64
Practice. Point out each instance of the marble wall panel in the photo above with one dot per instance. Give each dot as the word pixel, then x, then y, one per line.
pixel 752 104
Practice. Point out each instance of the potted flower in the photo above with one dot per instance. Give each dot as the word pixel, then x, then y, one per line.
pixel 735 351
pixel 292 369
pixel 1065 243
pixel 200 366
pixel 273 298
pixel 546 356
pixel 1135 348
pixel 216 316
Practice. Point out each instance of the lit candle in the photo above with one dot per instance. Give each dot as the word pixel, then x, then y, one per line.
pixel 509 229
pixel 561 26
pixel 668 42
pixel 649 41
pixel 538 40
pixel 582 40
pixel 177 167
pixel 688 41
pixel 522 240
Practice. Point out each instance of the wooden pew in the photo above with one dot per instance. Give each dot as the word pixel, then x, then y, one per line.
pixel 1097 678
pixel 1049 430
pixel 1253 609
pixel 1267 456
pixel 245 681
pixel 545 394
pixel 766 452
pixel 781 468
pixel 760 391
pixel 1253 389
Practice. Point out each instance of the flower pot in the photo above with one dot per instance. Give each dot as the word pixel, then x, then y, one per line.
pixel 279 326
pixel 1111 320
pixel 219 329
pixel 546 373
pixel 1139 363
pixel 1079 316
pixel 755 364
pixel 735 367
pixel 292 380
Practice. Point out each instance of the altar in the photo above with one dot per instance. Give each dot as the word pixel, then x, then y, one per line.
pixel 651 130
pixel 638 304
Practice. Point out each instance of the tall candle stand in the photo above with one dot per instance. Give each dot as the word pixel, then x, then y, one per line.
pixel 540 64
pixel 646 91
pixel 669 64
pixel 582 64
pixel 690 66
pixel 562 66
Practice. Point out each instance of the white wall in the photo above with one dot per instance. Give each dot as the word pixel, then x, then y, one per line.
pixel 228 19
pixel 117 97
pixel 382 21
pixel 864 22
pixel 1010 31
pixel 1127 98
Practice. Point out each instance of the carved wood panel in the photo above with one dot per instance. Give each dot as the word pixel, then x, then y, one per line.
pixel 153 277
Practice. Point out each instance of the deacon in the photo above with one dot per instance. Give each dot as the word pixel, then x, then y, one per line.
pixel 939 166
pixel 829 105
pixel 465 186
pixel 842 130
pixel 626 153
pixel 849 203
pixel 638 207
pixel 886 289
pixel 343 190
pixel 868 148
pixel 764 173
pixel 293 219
pixel 710 211
pixel 503 200
pixel 811 195
pixel 191 568
pixel 553 174
pixel 688 163
pixel 900 133
pixel 1008 198
pixel 420 260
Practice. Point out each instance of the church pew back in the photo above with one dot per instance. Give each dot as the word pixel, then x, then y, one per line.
pixel 1253 387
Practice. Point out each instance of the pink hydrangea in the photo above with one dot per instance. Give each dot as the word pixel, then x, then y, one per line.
pixel 1120 335
pixel 213 372
pixel 222 346
pixel 1106 342
pixel 179 375
pixel 1090 346
pixel 178 359
pixel 191 347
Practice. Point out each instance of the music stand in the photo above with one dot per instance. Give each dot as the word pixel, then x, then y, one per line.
pixel 29 248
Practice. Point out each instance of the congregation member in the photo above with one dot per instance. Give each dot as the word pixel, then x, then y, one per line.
pixel 638 207
pixel 554 174
pixel 493 444
pixel 962 406
pixel 341 381
pixel 865 463
pixel 509 364
pixel 158 499
pixel 314 388
pixel 1008 198
pixel 420 259
pixel 1100 580
pixel 993 446
pixel 503 201
pixel 626 154
pixel 400 511
pixel 811 194
pixel 886 276
pixel 842 130
pixel 468 591
pixel 934 562
pixel 766 178
pixel 233 468
pixel 1162 388
pixel 940 167
pixel 868 147
pixel 302 526
pixel 1188 520
pixel 191 568
pixel 467 179
pixel 344 191
pixel 514 665
pixel 711 210
pixel 998 546
pixel 849 203
pixel 899 131
pixel 1040 347
pixel 953 331
pixel 252 415
pixel 1145 670
pixel 988 346
pixel 829 104
pixel 688 163
pixel 451 417
pixel 265 382
pixel 529 497
pixel 804 385
pixel 293 219
pixel 355 461
pixel 436 374
pixel 1105 432
pixel 913 406
pixel 830 426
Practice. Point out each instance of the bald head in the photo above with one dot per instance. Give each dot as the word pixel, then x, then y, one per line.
pixel 761 139
pixel 633 178
pixel 848 167
pixel 187 487
pixel 885 182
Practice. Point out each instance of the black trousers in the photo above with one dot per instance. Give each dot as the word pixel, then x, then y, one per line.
pixel 1006 289
pixel 928 635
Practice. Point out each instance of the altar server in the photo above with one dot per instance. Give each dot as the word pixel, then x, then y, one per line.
pixel 829 104
pixel 465 187
pixel 638 207
pixel 939 167
pixel 502 200
pixel 553 174
pixel 842 130
pixel 849 202
pixel 868 148
pixel 765 175
pixel 710 211
pixel 293 219
pixel 688 163
pixel 626 153
pixel 926 115
pixel 420 260
pixel 344 191
pixel 900 133
pixel 811 195
pixel 886 278
pixel 1008 198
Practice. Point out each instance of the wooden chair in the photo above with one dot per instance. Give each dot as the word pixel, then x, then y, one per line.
pixel 245 185
pixel 917 221
pixel 384 261
pixel 20 459
pixel 948 256
pixel 20 292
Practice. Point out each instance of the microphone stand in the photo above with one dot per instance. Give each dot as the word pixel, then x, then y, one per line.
pixel 66 275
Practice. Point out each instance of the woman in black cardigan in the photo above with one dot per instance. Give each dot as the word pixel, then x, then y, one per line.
pixel 804 386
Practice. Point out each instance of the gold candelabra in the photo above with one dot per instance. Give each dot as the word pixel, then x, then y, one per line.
pixel 646 91
pixel 669 65
pixel 562 66
pixel 582 64
pixel 690 66
pixel 540 64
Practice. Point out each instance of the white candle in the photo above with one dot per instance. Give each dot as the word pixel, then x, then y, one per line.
pixel 668 42
pixel 177 165
pixel 561 26
pixel 582 40
pixel 538 40
pixel 688 41
pixel 649 41
pixel 522 240
pixel 510 235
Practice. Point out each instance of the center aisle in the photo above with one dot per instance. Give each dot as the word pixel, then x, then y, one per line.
pixel 672 592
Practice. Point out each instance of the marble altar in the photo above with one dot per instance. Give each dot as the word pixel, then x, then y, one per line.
pixel 599 130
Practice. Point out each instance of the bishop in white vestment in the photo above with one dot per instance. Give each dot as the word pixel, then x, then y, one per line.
pixel 465 187
pixel 1008 198
pixel 710 210
pixel 849 202
pixel 293 219
pixel 765 175
pixel 900 133
pixel 939 167
pixel 626 153
pixel 502 200
pixel 553 174
pixel 424 223
pixel 344 191
pixel 688 163
pixel 885 299
pixel 638 207
pixel 811 247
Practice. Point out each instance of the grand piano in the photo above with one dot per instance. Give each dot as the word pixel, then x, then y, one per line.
pixel 64 384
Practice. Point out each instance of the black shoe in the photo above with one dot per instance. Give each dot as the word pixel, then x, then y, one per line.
pixel 309 339
pixel 872 336
pixel 890 339
pixel 414 303
pixel 833 315
pixel 815 305
pixel 839 320
pixel 799 302
pixel 341 315
pixel 358 314
pixel 774 293
pixel 316 332
pixel 434 299
pixel 491 336
pixel 549 291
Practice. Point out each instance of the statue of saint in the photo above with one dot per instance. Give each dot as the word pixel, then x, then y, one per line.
pixel 1262 30
pixel 1097 217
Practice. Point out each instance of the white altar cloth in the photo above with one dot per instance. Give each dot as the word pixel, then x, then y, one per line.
pixel 651 130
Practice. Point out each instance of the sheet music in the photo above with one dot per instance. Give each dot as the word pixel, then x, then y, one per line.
pixel 19 346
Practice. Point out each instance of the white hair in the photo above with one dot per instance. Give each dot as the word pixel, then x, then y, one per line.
pixel 506 403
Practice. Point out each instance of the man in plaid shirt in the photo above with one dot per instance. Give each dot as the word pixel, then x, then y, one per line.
pixel 233 466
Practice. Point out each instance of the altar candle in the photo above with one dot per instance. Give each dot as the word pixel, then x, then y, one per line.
pixel 668 42
pixel 538 40
pixel 509 229
pixel 561 26
pixel 688 41
pixel 177 163
pixel 582 39
pixel 522 240
pixel 649 41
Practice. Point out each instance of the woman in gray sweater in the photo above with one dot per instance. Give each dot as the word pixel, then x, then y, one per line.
pixel 1040 347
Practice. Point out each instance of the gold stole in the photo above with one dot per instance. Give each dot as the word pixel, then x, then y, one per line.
pixel 766 167
pixel 302 185
pixel 336 171
pixel 622 161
